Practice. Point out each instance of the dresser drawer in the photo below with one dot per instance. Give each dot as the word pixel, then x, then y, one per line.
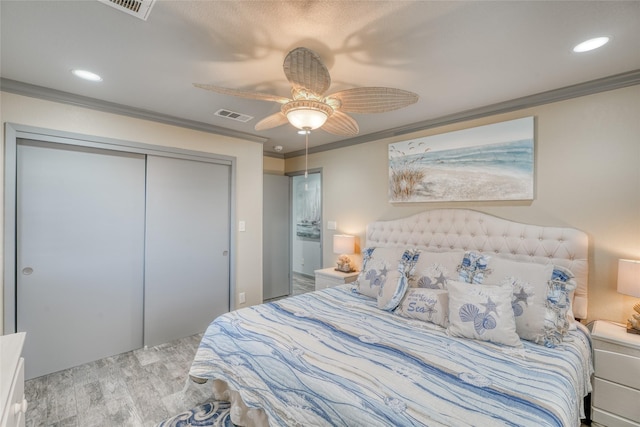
pixel 610 420
pixel 617 399
pixel 327 282
pixel 329 277
pixel 619 368
pixel 14 415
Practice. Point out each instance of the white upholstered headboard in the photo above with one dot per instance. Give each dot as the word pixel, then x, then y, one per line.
pixel 450 229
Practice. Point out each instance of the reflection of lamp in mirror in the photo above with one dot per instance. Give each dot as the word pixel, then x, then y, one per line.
pixel 344 245
pixel 629 284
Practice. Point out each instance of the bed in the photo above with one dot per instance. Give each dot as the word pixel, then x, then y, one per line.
pixel 446 326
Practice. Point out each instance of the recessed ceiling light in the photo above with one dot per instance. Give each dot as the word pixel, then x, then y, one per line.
pixel 591 44
pixel 87 75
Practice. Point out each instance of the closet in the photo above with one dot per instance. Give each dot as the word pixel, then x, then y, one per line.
pixel 116 248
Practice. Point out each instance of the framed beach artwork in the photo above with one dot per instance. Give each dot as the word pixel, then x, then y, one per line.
pixel 485 163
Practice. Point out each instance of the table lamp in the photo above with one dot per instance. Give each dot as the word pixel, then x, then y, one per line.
pixel 629 284
pixel 344 244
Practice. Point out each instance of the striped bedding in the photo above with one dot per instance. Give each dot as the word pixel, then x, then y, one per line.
pixel 333 358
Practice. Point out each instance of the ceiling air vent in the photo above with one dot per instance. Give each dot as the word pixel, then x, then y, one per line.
pixel 233 116
pixel 138 8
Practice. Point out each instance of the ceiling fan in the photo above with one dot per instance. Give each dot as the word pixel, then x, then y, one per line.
pixel 309 108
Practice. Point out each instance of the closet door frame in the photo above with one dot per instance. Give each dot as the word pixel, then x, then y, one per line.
pixel 14 132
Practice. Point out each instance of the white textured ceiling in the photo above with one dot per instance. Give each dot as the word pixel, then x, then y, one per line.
pixel 456 56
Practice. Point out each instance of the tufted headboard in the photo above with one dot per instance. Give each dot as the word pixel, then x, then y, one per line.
pixel 449 229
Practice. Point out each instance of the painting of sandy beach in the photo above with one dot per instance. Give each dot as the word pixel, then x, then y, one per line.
pixel 485 163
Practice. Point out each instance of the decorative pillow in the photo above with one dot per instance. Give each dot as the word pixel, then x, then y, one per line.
pixel 541 299
pixel 482 312
pixel 563 274
pixel 473 267
pixel 391 293
pixel 383 274
pixel 429 305
pixel 433 269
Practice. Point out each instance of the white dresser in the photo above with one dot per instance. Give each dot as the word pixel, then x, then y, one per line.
pixel 616 382
pixel 13 404
pixel 329 277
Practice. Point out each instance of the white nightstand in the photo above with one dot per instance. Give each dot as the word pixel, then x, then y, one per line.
pixel 616 382
pixel 329 277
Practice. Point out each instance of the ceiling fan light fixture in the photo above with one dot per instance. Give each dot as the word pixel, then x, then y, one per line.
pixel 306 114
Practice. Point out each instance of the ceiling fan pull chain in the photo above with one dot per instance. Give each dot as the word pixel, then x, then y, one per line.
pixel 306 159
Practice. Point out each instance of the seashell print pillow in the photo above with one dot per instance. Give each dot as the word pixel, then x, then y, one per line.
pixel 428 305
pixel 433 269
pixel 482 312
pixel 541 298
pixel 383 275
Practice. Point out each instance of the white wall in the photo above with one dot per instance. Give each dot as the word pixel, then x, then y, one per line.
pixel 587 177
pixel 249 162
pixel 273 165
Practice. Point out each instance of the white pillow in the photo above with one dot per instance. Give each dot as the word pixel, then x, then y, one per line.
pixel 429 305
pixel 541 299
pixel 433 269
pixel 377 265
pixel 384 274
pixel 482 312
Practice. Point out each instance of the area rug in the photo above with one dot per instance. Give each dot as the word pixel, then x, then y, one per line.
pixel 214 413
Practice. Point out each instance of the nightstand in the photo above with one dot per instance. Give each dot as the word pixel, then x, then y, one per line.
pixel 329 277
pixel 616 382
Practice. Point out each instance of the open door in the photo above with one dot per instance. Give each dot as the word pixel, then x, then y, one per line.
pixel 276 240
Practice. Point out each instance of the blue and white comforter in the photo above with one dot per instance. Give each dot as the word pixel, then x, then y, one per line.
pixel 333 358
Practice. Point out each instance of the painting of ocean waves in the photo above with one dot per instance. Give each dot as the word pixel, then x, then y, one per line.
pixel 494 163
pixel 515 155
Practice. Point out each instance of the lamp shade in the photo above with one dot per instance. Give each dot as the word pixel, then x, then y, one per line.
pixel 307 118
pixel 307 114
pixel 343 244
pixel 628 277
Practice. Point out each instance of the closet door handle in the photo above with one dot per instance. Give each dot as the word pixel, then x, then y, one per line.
pixel 225 253
pixel 27 271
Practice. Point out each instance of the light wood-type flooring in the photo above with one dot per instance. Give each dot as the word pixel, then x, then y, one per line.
pixel 138 388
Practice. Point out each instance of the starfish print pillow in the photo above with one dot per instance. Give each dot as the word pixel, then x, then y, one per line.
pixel 433 269
pixel 482 312
pixel 541 303
pixel 380 275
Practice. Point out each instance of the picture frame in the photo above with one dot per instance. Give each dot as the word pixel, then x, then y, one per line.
pixel 493 162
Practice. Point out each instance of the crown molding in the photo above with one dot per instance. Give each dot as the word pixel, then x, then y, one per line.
pixel 33 91
pixel 604 84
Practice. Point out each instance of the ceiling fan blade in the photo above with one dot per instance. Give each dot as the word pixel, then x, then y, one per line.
pixel 272 121
pixel 244 93
pixel 305 70
pixel 340 123
pixel 374 99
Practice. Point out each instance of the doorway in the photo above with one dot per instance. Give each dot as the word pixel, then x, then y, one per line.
pixel 292 239
pixel 306 230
